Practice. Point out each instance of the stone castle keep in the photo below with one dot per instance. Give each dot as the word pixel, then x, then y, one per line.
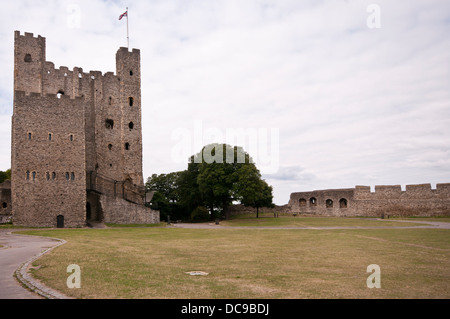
pixel 415 200
pixel 76 152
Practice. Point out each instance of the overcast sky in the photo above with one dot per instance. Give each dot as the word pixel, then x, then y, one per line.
pixel 335 93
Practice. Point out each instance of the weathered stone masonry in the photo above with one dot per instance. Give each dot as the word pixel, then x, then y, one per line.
pixel 416 200
pixel 71 132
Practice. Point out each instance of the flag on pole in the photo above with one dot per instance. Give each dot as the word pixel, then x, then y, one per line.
pixel 125 14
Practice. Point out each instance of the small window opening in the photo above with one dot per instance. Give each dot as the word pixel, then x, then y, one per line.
pixel 109 124
pixel 313 201
pixel 110 165
pixel 110 100
pixel 131 73
pixel 28 175
pixel 27 58
pixel 67 176
pixel 343 203
pixel 65 74
pixel 302 202
pixel 4 205
pixel 80 75
pixel 71 137
pixel 47 176
pixel 34 176
pixel 59 94
pixel 127 146
pixel 29 136
pixel 110 146
pixel 72 176
pixel 49 136
pixel 53 175
pixel 131 125
pixel 130 101
pixel 329 203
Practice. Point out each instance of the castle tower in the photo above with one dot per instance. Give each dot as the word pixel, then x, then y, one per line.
pixel 129 75
pixel 76 141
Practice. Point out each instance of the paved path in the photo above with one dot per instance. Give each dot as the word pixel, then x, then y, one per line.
pixel 16 250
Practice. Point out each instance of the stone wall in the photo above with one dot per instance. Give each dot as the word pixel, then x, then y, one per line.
pixel 48 165
pixel 120 211
pixel 241 209
pixel 416 200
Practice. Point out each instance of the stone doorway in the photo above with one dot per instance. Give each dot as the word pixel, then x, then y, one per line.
pixel 60 221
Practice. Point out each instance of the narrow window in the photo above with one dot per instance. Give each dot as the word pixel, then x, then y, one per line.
pixel 67 176
pixel 28 175
pixel 49 136
pixel 53 175
pixel 110 146
pixel 130 101
pixel 47 175
pixel 4 205
pixel 313 201
pixel 34 176
pixel 59 94
pixel 72 176
pixel 29 136
pixel 110 100
pixel 127 146
pixel 27 57
pixel 109 124
pixel 131 73
pixel 71 137
pixel 131 125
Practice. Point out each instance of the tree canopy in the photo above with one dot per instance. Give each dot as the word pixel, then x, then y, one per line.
pixel 216 177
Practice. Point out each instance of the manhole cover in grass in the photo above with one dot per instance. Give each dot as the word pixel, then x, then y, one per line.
pixel 197 273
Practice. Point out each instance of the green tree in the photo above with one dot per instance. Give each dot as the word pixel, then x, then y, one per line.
pixel 165 199
pixel 225 174
pixel 5 175
pixel 251 190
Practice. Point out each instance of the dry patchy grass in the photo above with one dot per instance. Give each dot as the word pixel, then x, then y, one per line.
pixel 254 263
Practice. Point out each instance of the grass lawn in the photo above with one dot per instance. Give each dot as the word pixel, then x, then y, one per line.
pixel 248 263
pixel 268 220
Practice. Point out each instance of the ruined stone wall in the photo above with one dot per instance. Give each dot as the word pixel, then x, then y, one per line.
pixel 119 211
pixel 416 200
pixel 331 202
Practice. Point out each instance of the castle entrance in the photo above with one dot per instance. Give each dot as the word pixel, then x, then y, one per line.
pixel 60 221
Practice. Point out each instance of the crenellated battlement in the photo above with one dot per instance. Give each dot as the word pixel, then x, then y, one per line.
pixel 416 199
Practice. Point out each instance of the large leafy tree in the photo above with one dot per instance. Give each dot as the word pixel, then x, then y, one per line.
pixel 216 177
pixel 227 174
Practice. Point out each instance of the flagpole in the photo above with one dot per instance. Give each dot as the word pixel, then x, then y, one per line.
pixel 128 36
